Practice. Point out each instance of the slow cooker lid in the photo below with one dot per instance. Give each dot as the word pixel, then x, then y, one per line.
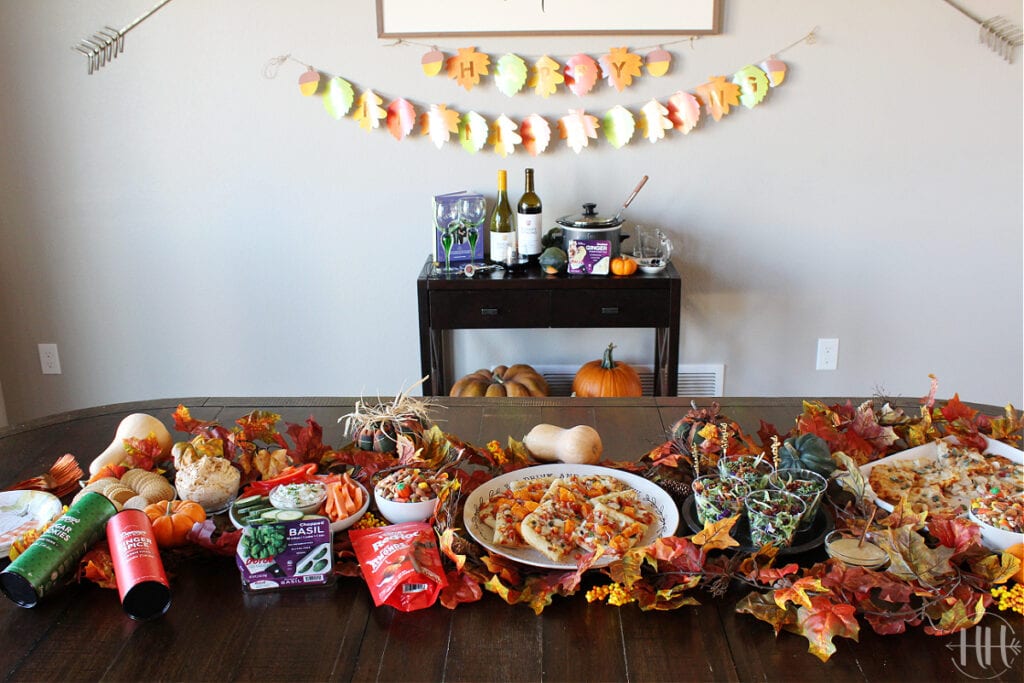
pixel 589 220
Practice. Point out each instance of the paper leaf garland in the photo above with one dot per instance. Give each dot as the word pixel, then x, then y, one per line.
pixel 309 81
pixel 581 73
pixel 401 118
pixel 654 120
pixel 510 74
pixel 658 61
pixel 338 97
pixel 472 132
pixel 683 111
pixel 439 123
pixel 368 111
pixel 620 66
pixel 577 128
pixel 504 136
pixel 432 62
pixel 718 95
pixel 468 66
pixel 776 70
pixel 536 134
pixel 753 85
pixel 546 76
pixel 618 126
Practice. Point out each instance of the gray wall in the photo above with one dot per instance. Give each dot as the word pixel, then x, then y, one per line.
pixel 181 225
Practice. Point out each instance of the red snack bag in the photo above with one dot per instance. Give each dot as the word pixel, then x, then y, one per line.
pixel 401 564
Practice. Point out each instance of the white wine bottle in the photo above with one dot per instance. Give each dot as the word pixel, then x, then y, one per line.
pixel 529 221
pixel 503 230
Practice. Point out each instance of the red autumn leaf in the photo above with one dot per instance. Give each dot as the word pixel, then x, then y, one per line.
pixel 461 588
pixel 679 554
pixel 213 538
pixel 143 453
pixel 823 621
pixel 184 422
pixel 954 532
pixel 819 424
pixel 892 623
pixel 865 425
pixel 769 575
pixel 309 445
pixel 859 581
pixel 955 409
pixel 447 541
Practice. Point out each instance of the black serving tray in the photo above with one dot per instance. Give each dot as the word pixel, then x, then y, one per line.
pixel 804 541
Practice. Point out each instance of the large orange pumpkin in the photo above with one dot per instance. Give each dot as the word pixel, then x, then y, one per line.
pixel 514 380
pixel 173 519
pixel 606 377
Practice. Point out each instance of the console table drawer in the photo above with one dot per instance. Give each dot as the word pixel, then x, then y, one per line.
pixel 608 308
pixel 488 309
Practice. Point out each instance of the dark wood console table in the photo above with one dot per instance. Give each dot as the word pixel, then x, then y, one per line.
pixel 533 299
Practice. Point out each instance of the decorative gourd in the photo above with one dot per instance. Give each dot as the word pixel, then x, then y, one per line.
pixel 606 377
pixel 553 260
pixel 514 380
pixel 382 436
pixel 807 451
pixel 138 426
pixel 173 519
pixel 579 445
pixel 623 265
pixel 1018 552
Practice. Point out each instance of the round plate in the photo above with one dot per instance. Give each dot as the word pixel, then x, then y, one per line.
pixel 666 513
pixel 337 526
pixel 807 539
pixel 22 511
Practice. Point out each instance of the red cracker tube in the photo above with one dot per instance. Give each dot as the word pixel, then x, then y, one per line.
pixel 141 581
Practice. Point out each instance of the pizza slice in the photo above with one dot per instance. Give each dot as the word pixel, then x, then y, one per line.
pixel 508 520
pixel 628 503
pixel 891 482
pixel 610 529
pixel 553 527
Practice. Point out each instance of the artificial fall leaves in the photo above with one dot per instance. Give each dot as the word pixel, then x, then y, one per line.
pixel 620 125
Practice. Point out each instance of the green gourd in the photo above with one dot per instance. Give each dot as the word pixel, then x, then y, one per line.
pixel 807 451
pixel 553 260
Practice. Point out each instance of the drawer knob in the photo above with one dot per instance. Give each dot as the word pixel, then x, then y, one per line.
pixel 609 310
pixel 488 311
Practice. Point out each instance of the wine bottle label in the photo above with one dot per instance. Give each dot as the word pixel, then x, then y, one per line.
pixel 529 227
pixel 501 242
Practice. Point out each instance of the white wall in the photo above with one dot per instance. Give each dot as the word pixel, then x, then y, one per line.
pixel 181 225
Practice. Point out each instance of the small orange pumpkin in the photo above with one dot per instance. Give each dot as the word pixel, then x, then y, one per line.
pixel 1018 552
pixel 606 377
pixel 623 265
pixel 173 519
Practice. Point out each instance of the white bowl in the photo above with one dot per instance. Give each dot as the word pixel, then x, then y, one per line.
pixel 343 524
pixel 307 509
pixel 397 513
pixel 652 265
pixel 994 538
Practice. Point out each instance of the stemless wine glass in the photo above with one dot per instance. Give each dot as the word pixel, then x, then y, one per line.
pixel 473 211
pixel 446 220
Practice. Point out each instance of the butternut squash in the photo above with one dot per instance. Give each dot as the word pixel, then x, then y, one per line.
pixel 136 425
pixel 579 445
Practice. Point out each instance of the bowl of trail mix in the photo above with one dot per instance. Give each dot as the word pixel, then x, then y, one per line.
pixel 1001 518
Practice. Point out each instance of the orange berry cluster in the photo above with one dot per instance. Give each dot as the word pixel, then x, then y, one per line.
pixel 1010 599
pixel 369 521
pixel 614 593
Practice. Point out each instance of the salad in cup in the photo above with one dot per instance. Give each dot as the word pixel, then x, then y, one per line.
pixel 774 517
pixel 806 485
pixel 754 471
pixel 718 497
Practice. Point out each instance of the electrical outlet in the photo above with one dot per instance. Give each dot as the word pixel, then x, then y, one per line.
pixel 828 354
pixel 49 359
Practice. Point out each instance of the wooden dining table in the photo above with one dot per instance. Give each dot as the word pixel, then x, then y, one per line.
pixel 215 631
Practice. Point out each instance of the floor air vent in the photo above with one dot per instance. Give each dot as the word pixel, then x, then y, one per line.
pixel 694 380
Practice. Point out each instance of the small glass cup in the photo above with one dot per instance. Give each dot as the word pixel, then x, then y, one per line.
pixel 753 470
pixel 718 497
pixel 774 517
pixel 807 485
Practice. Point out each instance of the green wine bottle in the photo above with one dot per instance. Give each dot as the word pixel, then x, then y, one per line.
pixel 503 247
pixel 529 221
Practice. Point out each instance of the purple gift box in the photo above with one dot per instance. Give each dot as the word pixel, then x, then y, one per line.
pixel 589 257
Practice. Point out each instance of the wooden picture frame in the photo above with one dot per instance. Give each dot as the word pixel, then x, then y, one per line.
pixel 432 18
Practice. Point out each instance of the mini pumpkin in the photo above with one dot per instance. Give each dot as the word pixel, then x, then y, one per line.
pixel 623 265
pixel 607 377
pixel 173 519
pixel 514 380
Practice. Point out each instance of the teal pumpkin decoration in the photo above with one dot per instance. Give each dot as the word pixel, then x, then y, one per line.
pixel 807 451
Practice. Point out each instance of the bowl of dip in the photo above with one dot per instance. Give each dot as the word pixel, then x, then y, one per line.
pixel 845 545
pixel 306 497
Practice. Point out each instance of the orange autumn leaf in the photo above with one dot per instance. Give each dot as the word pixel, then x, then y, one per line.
pixel 824 620
pixel 467 67
pixel 620 66
pixel 716 535
pixel 536 134
pixel 797 593
pixel 97 566
pixel 546 76
pixel 718 95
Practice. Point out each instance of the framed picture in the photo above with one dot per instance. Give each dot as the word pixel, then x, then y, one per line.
pixel 427 18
